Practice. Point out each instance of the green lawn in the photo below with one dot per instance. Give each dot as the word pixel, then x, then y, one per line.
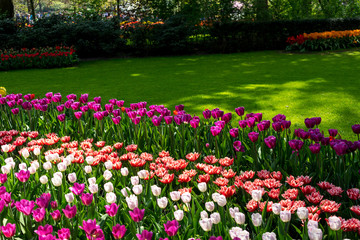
pixel 297 85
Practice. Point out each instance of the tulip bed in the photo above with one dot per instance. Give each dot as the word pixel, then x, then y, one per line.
pixel 79 169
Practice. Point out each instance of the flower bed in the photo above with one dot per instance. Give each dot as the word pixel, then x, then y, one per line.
pixel 320 41
pixel 37 58
pixel 78 168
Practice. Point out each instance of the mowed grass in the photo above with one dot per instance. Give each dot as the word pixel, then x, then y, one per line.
pixel 271 82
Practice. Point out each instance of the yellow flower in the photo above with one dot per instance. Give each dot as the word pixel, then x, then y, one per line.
pixel 2 91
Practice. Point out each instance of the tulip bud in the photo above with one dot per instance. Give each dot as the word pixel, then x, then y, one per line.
pixel 276 208
pixel 269 236
pixel 256 219
pixel 124 191
pixel 302 213
pixel 315 233
pixel 162 202
pixel 59 174
pixel 215 218
pixel 233 211
pixel 36 151
pixel 179 215
pixel 47 165
pixel 92 180
pixel 335 223
pixel 32 170
pixel 204 214
pixel 61 166
pixel 142 174
pixel 108 165
pixel 156 191
pixel 6 169
pixel 124 171
pixel 221 201
pixel 175 196
pixel 69 197
pixel 25 153
pixel 210 206
pixel 93 188
pixel 239 218
pixel 109 187
pixel 186 197
pixel 107 175
pixel 56 180
pixel 256 195
pixel 22 166
pixel 44 179
pixel 89 160
pixel 137 189
pixel 5 148
pixel 88 169
pixel 202 186
pixel 206 224
pixel 110 197
pixel 132 202
pixel 285 216
pixel 215 196
pixel 134 180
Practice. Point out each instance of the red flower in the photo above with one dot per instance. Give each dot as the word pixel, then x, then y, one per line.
pixel 117 165
pixel 274 193
pixel 184 190
pixel 329 206
pixel 184 178
pixel 164 154
pixel 272 183
pixel 226 162
pixel 118 145
pixel 220 182
pixel 227 191
pixel 210 159
pixel 290 194
pixel 65 139
pixel 325 185
pixel 100 144
pixel 304 179
pixel 268 207
pixel 203 178
pixel 168 178
pixel 335 191
pixel 252 205
pixel 137 162
pixel 263 174
pixel 192 157
pixel 146 156
pixel 131 148
pixel 293 183
pixel 228 174
pixel 314 197
pixel 356 209
pixel 308 189
pixel 353 193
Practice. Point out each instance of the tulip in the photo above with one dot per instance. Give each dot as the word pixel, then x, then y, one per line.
pixel 215 130
pixel 109 187
pixel 162 202
pixel 202 186
pixel 118 231
pixel 207 114
pixel 215 218
pixel 135 180
pixel 112 209
pixel 88 169
pixel 238 146
pixel 93 188
pixel 356 128
pixel 234 132
pixel 335 223
pixel 156 191
pixel 302 213
pixel 240 111
pixel 276 208
pixel 221 201
pixel 5 148
pixel 137 189
pixel 285 216
pixel 64 234
pixel 25 153
pixel 124 171
pixel 132 201
pixel 171 228
pixel 108 165
pixel 256 219
pixel 239 218
pixel 44 230
pixel 186 197
pixel 125 191
pixel 270 142
pixel 56 181
pixel 206 224
pixel 39 214
pixel 179 215
pixel 315 233
pixel 137 215
pixel 256 195
pixel 312 224
pixel 107 175
pixel 77 188
pixel 175 196
pixel 69 197
pixel 210 206
pixel 145 235
pixel 9 230
pixel 253 136
pixel 69 211
pixel 72 177
pixel 204 214
pixel 110 197
pixel 23 175
pixel 269 236
pixel 232 211
pixel 86 198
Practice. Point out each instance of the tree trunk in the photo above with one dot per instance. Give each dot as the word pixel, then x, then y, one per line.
pixel 7 8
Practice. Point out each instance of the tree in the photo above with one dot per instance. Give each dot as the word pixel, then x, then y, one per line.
pixel 6 8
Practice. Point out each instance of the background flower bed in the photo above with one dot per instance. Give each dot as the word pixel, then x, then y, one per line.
pixel 153 130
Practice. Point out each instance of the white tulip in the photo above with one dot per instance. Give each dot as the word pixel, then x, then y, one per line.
pixel 125 191
pixel 239 218
pixel 215 218
pixel 92 180
pixel 156 191
pixel 61 166
pixel 109 187
pixel 235 232
pixel 44 179
pixel 59 174
pixel 69 197
pixel 276 208
pixel 47 165
pixel 179 215
pixel 285 216
pixel 142 174
pixel 256 219
pixel 107 175
pixel 202 186
pixel 67 161
pixel 186 197
pixel 215 196
pixel 256 195
pixel 9 160
pixel 5 148
pixel 315 233
pixel 32 170
pixel 72 177
pixel 108 165
pixel 36 151
pixel 302 213
pixel 6 169
pixel 204 215
pixel 233 211
pixel 22 166
pixel 110 197
pixel 210 206
pixel 206 224
pixel 221 200
pixel 269 236
pixel 89 160
pixel 135 180
pixel 312 224
pixel 175 196
pixel 132 201
pixel 335 223
pixel 93 188
pixel 25 153
pixel 137 189
pixel 162 202
pixel 11 165
pixel 35 164
pixel 88 169
pixel 124 171
pixel 56 180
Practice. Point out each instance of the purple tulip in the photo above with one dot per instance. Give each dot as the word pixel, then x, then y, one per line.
pixel 356 128
pixel 145 235
pixel 68 103
pixel 75 106
pixel 141 112
pixel 64 234
pixel 238 146
pixel 194 123
pixel 84 108
pixel 69 211
pixel 77 189
pixel 316 137
pixel 279 118
pixel 270 142
pixel 134 106
pixel 243 123
pixel 96 107
pixel 150 113
pixel 136 120
pixel 226 117
pixel 49 95
pixel 119 231
pixel 116 120
pixel 315 148
pixel 78 114
pixel 234 132
pixel 39 214
pixel 71 96
pixel 9 230
pixel 296 144
pixel 44 200
pixel 179 108
pixel 26 106
pixel 220 124
pixel 112 209
pixel 86 198
pixel 120 103
pixel 112 101
pixel 25 206
pixel 109 107
pixel 15 111
pixel 240 111
pixel 23 175
pixel 207 114
pixel 178 119
pixel 132 114
pixel 56 98
pixel 11 104
pixel 61 117
pixel 60 108
pixel 56 215
pixel 84 98
pixel 137 215
pixel 156 120
pixel 286 124
pixel 168 119
pixel 99 116
pixel 340 147
pixel 253 136
pixel 215 238
pixel 3 178
pixel 2 190
pixel 19 102
pixel 6 197
pixel 165 112
pixel 44 230
pixel 186 118
pixel 215 130
pixel 277 126
pixel 333 132
pixel 310 122
pixel 43 108
pixel 216 113
pixel 303 134
pixel 171 227
pixel 251 122
pixel 142 104
pixel 317 120
pixel 92 230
